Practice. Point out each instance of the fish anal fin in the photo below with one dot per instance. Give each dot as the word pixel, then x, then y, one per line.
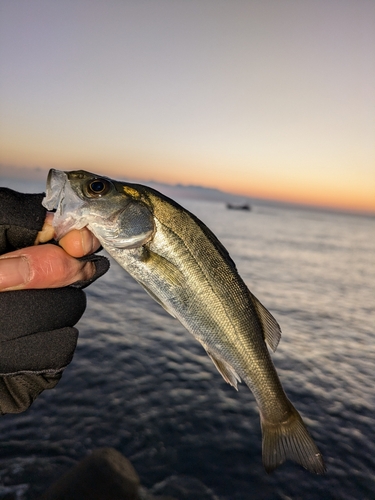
pixel 290 440
pixel 271 328
pixel 226 370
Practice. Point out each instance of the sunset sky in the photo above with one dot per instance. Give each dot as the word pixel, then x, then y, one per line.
pixel 267 98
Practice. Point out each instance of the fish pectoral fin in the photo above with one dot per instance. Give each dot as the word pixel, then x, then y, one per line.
pixel 271 328
pixel 156 298
pixel 163 268
pixel 168 273
pixel 226 370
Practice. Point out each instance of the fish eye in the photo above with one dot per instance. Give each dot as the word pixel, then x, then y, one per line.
pixel 98 187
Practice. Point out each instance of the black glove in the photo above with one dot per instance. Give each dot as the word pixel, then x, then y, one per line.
pixel 37 337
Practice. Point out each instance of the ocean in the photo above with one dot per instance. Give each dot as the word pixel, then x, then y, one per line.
pixel 139 382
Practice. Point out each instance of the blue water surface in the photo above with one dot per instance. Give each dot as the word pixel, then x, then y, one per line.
pixel 142 384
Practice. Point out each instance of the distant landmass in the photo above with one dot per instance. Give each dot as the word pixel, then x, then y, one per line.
pixel 193 192
pixel 28 173
pixel 39 175
pixel 15 177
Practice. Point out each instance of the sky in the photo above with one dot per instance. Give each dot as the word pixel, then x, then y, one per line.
pixel 263 98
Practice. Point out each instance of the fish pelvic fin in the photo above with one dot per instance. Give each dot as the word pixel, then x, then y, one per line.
pixel 226 370
pixel 290 440
pixel 271 328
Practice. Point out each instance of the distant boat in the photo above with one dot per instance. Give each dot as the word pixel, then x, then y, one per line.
pixel 245 206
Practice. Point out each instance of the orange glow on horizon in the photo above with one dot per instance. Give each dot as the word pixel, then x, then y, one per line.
pixel 295 193
pixel 323 198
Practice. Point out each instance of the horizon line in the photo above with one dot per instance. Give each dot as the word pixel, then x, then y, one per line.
pixel 25 173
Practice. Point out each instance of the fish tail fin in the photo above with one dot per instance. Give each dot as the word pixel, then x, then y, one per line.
pixel 290 440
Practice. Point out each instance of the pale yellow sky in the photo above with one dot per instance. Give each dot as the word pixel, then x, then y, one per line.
pixel 263 98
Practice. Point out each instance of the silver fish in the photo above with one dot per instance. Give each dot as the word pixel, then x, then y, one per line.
pixel 185 268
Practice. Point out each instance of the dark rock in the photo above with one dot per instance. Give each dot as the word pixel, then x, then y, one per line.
pixel 13 492
pixel 103 475
pixel 184 488
pixel 8 496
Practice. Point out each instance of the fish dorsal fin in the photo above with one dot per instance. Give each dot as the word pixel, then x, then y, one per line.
pixel 271 328
pixel 226 370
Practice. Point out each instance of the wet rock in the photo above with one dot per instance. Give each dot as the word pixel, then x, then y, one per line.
pixel 184 488
pixel 104 475
pixel 13 492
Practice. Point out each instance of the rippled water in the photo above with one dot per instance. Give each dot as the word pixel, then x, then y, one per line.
pixel 140 383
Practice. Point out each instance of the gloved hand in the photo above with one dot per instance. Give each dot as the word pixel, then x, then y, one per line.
pixel 37 334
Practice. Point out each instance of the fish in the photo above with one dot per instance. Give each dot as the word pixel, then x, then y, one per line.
pixel 182 265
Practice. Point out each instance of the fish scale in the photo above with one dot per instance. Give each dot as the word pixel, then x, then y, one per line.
pixel 185 268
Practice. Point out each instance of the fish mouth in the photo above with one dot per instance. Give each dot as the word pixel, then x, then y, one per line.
pixel 67 205
pixel 55 185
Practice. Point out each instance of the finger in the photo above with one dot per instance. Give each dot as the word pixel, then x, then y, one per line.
pixel 47 232
pixel 76 243
pixel 79 242
pixel 44 266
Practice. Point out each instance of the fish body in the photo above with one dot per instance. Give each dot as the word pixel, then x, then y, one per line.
pixel 185 268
